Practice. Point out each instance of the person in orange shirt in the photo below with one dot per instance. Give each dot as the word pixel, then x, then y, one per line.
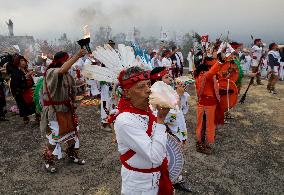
pixel 208 112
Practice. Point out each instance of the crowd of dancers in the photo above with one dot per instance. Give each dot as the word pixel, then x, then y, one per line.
pixel 122 77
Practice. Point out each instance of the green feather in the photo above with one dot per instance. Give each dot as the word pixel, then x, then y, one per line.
pixel 36 97
pixel 241 72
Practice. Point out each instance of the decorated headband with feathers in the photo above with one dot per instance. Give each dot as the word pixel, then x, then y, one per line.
pixel 115 61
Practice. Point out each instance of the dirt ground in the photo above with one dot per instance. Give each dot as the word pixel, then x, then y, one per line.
pixel 248 159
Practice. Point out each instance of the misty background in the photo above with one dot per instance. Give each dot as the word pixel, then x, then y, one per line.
pixel 49 19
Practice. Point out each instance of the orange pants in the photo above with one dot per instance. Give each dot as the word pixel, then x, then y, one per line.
pixel 210 123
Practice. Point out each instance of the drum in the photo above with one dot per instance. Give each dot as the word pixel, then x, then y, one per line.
pixel 175 157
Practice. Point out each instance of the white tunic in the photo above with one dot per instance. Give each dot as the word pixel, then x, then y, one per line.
pixel 105 97
pixel 166 62
pixel 190 61
pixel 131 134
pixel 180 56
pixel 257 53
pixel 155 62
pixel 246 63
pixel 184 105
pixel 94 85
pixel 176 120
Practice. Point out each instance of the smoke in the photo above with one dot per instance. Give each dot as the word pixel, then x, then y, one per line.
pixel 97 14
pixel 50 18
pixel 90 14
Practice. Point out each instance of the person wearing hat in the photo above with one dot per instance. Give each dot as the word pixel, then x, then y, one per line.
pixel 59 119
pixel 257 54
pixel 141 137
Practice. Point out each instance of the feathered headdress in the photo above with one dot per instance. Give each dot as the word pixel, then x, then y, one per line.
pixel 141 54
pixel 114 61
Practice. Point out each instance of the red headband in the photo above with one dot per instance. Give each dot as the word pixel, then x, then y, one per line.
pixel 235 46
pixel 128 83
pixel 159 74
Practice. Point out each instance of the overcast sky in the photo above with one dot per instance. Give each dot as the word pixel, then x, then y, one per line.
pixel 49 18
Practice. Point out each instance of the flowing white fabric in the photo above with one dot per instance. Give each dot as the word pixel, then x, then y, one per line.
pixel 53 125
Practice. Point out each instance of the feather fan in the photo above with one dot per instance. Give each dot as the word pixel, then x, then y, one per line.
pixel 114 61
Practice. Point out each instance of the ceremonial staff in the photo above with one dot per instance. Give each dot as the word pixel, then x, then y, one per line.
pixel 251 81
pixel 242 100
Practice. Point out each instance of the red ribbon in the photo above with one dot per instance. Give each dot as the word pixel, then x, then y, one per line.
pixel 159 74
pixel 165 184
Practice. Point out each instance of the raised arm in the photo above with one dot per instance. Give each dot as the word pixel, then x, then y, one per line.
pixel 67 65
pixel 160 50
pixel 214 69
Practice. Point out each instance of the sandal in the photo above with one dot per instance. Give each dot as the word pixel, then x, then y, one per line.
pixel 77 160
pixel 72 154
pixel 49 161
pixel 50 168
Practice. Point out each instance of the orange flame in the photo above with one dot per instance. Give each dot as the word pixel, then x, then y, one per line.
pixel 86 32
pixel 43 56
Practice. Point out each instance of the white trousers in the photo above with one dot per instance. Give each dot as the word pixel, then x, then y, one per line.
pixel 281 71
pixel 126 191
pixel 94 87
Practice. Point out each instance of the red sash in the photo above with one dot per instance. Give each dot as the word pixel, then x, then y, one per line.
pixel 165 184
pixel 54 103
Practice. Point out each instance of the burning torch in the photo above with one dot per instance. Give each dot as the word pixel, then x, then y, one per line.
pixel 85 42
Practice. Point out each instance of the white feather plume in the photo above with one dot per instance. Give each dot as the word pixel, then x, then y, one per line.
pixel 114 61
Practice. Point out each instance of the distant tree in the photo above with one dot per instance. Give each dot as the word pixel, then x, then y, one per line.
pixel 47 48
pixel 70 47
pixel 63 38
pixel 186 46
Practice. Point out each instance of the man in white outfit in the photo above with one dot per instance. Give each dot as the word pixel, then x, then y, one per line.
pixel 180 57
pixel 246 61
pixel 141 138
pixel 257 52
pixel 190 62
